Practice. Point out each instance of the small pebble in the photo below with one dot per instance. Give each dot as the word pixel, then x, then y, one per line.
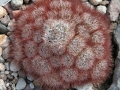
pixel 95 2
pixel 2 85
pixel 3 29
pixel 104 3
pixel 2 12
pixel 13 87
pixel 0 51
pixel 15 80
pixel 16 4
pixel 2 67
pixel 21 84
pixel 5 53
pixel 14 74
pixel 7 66
pixel 14 67
pixel 10 77
pixel 7 84
pixel 10 25
pixel 5 20
pixel 6 72
pixel 31 85
pixel 102 9
pixel 1 60
pixel 3 40
pixel 3 76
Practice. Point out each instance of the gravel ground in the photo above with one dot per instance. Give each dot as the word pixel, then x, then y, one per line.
pixel 11 77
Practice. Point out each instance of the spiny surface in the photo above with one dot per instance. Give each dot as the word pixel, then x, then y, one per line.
pixel 62 43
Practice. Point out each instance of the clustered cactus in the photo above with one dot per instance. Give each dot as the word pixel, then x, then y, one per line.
pixel 62 43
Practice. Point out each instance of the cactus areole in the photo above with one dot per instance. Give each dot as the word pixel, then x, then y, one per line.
pixel 62 44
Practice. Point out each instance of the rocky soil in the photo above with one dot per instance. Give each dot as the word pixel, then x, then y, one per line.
pixel 12 78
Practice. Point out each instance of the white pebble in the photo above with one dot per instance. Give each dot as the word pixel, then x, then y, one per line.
pixel 95 2
pixel 102 9
pixel 2 85
pixel 20 84
pixel 2 12
pixel 2 67
pixel 14 67
pixel 31 85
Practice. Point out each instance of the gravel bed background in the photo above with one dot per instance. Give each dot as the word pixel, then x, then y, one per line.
pixel 12 78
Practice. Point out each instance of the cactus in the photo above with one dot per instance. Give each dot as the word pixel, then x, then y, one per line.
pixel 62 43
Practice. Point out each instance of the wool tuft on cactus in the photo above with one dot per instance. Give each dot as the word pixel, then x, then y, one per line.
pixel 62 43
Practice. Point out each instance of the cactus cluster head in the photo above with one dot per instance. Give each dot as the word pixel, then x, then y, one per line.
pixel 62 43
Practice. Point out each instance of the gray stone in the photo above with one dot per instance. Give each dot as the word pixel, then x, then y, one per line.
pixel 2 85
pixel 3 29
pixel 21 84
pixel 16 4
pixel 6 53
pixel 7 65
